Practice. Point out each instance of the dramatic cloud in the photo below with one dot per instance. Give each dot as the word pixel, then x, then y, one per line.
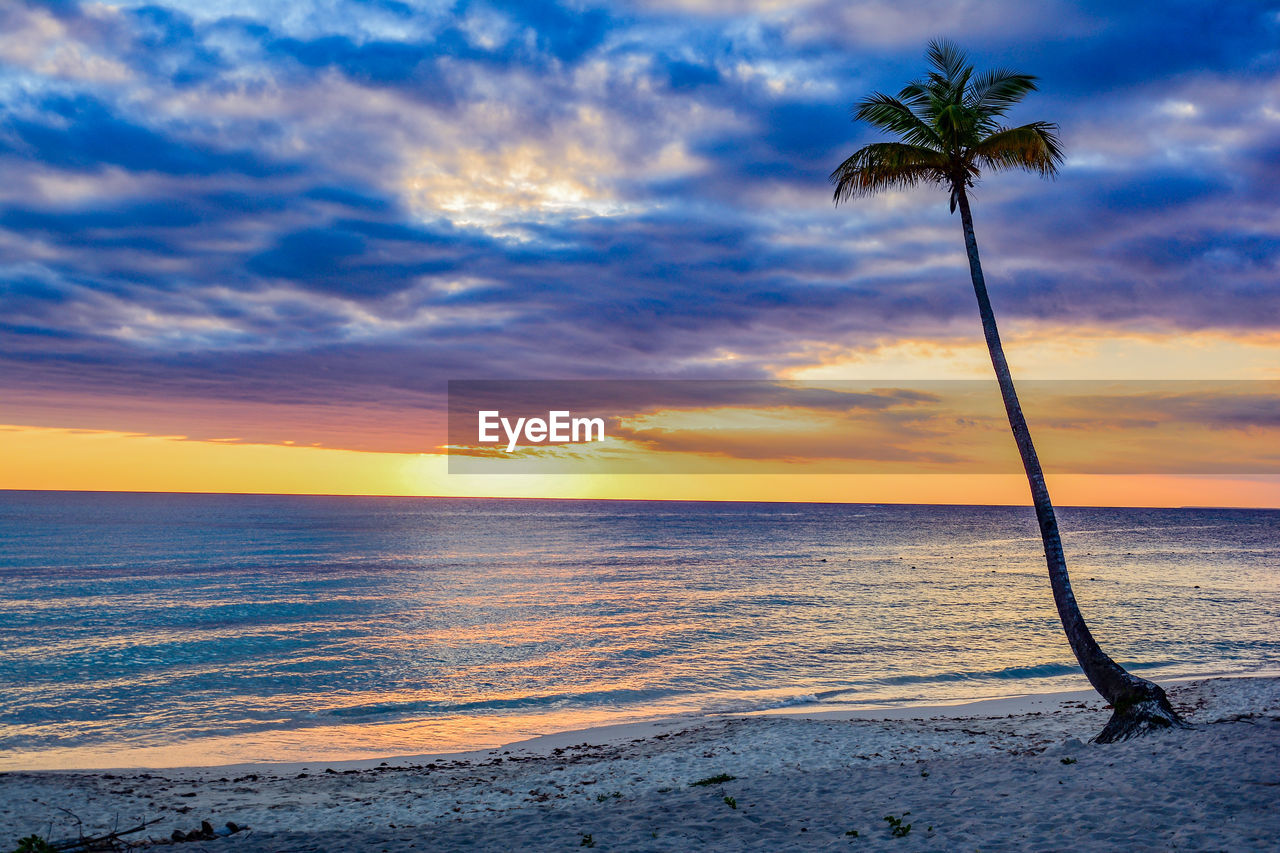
pixel 222 206
pixel 1112 427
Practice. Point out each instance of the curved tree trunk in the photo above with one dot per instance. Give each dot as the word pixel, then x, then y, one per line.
pixel 1139 704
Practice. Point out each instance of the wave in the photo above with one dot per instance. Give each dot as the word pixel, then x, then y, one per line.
pixel 744 705
pixel 1010 673
pixel 551 700
pixel 747 706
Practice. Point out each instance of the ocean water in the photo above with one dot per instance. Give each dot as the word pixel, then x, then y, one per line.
pixel 154 630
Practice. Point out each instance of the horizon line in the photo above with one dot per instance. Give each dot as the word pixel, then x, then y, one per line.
pixel 1027 505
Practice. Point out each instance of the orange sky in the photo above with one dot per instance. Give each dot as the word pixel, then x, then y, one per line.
pixel 86 444
pixel 212 449
pixel 47 458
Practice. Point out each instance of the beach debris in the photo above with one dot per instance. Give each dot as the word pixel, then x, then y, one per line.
pixel 718 779
pixel 897 828
pixel 206 832
pixel 107 841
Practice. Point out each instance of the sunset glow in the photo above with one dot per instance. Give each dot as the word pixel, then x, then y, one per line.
pixel 253 265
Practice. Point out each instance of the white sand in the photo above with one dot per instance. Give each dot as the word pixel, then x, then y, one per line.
pixel 986 776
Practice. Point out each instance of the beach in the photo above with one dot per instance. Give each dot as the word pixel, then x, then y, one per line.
pixel 1009 774
pixel 385 674
pixel 639 426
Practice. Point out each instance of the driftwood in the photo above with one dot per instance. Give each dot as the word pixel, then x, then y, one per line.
pixel 113 840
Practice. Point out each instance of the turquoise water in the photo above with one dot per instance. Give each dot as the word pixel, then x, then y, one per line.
pixel 162 629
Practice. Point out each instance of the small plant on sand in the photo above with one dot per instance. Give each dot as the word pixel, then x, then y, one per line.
pixel 853 833
pixel 1068 760
pixel 718 779
pixel 731 802
pixel 587 840
pixel 613 795
pixel 33 844
pixel 897 828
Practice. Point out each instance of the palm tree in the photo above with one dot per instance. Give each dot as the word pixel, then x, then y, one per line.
pixel 949 124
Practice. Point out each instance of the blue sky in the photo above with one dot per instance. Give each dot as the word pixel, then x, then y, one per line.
pixel 210 209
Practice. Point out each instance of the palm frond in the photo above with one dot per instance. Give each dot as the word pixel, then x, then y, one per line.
pixel 994 92
pixel 949 60
pixel 887 165
pixel 891 114
pixel 1033 147
pixel 920 98
pixel 956 123
pixel 950 89
pixel 949 126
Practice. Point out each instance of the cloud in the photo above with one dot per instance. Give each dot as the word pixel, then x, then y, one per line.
pixel 83 134
pixel 339 201
pixel 845 427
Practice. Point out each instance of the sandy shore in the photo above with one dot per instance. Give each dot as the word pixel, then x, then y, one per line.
pixel 1003 775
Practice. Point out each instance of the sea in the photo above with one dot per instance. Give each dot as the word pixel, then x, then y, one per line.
pixel 153 630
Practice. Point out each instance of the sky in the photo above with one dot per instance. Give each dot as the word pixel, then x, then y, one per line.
pixel 244 245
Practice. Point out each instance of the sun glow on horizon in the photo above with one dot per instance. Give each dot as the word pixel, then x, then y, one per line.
pixel 42 458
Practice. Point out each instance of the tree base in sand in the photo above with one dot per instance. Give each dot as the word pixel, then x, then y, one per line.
pixel 1148 712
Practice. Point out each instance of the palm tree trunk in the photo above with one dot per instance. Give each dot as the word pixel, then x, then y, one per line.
pixel 1139 704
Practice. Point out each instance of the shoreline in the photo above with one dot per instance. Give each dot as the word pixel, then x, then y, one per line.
pixel 1007 774
pixel 605 734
